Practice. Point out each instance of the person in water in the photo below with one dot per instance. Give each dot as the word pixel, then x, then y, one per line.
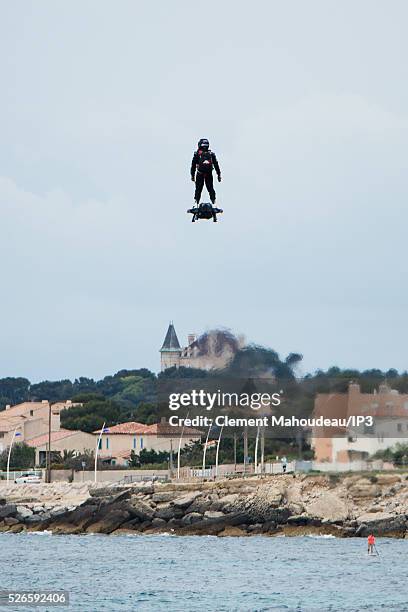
pixel 370 544
pixel 203 163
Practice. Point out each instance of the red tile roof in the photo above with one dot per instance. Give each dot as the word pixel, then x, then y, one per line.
pixel 158 429
pixel 126 428
pixel 55 436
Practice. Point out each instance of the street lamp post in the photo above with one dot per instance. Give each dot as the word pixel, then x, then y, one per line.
pixel 103 430
pixel 179 450
pixel 256 450
pixel 15 434
pixel 48 455
pixel 205 448
pixel 218 449
pixel 235 452
pixel 245 449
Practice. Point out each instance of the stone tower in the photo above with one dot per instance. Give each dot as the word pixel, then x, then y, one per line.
pixel 170 352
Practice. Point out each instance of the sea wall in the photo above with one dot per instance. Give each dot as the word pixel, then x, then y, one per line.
pixel 282 504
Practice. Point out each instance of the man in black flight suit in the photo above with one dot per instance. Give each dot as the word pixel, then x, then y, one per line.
pixel 202 166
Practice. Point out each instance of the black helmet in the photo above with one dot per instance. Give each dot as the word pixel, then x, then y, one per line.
pixel 203 143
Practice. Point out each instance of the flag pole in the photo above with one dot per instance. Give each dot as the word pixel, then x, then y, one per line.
pixel 9 453
pixel 97 448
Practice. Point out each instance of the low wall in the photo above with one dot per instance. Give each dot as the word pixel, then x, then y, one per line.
pixel 119 475
pixel 187 473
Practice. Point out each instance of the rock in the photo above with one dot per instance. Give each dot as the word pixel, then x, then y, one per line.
pixel 34 518
pixel 165 496
pixel 16 528
pixel 226 501
pixel 145 488
pixel 256 528
pixel 116 492
pixel 77 517
pixel 269 527
pixel 7 510
pixel 296 508
pixel 144 525
pixel 231 531
pixel 168 511
pixel 10 520
pixel 215 506
pixel 57 511
pixel 111 521
pixel 381 523
pixel 212 515
pixel 349 481
pixel 364 490
pixel 186 500
pixel 37 508
pixel 328 506
pixel 133 524
pixel 200 505
pixel 141 510
pixel 215 526
pixel 192 517
pixel 175 523
pixel 158 522
pixel 388 479
pixel 300 519
pixel 23 512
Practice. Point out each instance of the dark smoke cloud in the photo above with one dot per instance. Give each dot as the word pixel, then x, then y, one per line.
pixel 217 342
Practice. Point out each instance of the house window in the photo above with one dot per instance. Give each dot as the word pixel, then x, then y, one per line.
pixel 141 443
pixel 399 427
pixel 134 442
pixel 1 434
pixel 100 444
pixel 31 412
pixel 107 443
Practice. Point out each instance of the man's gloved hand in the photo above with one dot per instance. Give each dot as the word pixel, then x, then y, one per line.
pixel 219 178
pixel 193 179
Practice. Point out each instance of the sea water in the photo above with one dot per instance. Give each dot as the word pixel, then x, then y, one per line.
pixel 201 573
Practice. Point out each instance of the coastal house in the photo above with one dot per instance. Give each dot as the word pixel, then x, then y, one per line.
pixel 388 409
pixel 61 440
pixel 119 441
pixel 29 420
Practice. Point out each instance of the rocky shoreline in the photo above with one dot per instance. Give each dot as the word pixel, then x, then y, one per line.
pixel 344 506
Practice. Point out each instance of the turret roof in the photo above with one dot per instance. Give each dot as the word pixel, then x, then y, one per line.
pixel 171 342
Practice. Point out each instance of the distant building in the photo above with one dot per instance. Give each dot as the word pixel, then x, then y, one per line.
pixel 388 408
pixel 120 440
pixel 211 350
pixel 62 440
pixel 29 420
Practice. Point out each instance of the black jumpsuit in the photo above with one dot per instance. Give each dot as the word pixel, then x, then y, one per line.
pixel 204 177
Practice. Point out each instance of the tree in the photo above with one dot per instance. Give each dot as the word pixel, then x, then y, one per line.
pixel 22 457
pixel 91 416
pixel 13 391
pixel 152 456
pixel 134 460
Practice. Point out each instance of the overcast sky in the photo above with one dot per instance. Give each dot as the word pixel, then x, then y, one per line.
pixel 101 106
